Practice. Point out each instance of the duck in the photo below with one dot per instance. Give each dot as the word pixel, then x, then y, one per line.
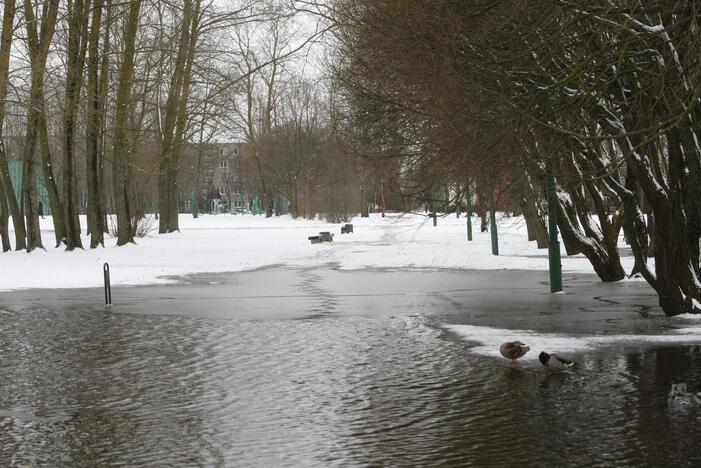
pixel 513 350
pixel 679 396
pixel 555 362
pixel 697 398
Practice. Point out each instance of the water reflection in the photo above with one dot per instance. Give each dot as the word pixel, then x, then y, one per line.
pixel 90 389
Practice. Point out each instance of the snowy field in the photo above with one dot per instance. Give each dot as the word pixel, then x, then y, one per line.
pixel 226 243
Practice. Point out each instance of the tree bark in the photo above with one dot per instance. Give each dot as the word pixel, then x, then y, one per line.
pixel 535 223
pixel 606 266
pixel 675 275
pixel 75 62
pixel 94 125
pixel 167 187
pixel 4 220
pixel 122 144
pixel 173 222
pixel 103 90
pixel 10 199
pixel 50 181
pixel 38 46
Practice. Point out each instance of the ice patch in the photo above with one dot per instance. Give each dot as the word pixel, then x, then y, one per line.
pixel 689 316
pixel 490 339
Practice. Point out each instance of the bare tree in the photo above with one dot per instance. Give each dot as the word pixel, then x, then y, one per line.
pixel 6 191
pixel 122 145
pixel 95 121
pixel 38 46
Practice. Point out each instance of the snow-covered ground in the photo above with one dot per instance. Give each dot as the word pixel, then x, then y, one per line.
pixel 234 243
pixel 489 339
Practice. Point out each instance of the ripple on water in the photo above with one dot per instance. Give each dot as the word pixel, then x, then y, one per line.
pixel 82 389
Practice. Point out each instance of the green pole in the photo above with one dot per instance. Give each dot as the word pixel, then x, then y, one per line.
pixel 433 212
pixel 468 196
pixel 553 244
pixel 495 238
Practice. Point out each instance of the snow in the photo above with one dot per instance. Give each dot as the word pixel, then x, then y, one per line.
pixel 489 339
pixel 226 243
pixel 656 29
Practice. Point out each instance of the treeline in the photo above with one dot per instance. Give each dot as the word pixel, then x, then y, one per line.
pixel 102 100
pixel 604 95
pixel 82 91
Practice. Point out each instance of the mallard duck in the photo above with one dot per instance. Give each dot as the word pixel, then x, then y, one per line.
pixel 679 396
pixel 697 398
pixel 553 361
pixel 513 350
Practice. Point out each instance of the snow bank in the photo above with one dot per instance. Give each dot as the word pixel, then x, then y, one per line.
pixel 489 339
pixel 235 243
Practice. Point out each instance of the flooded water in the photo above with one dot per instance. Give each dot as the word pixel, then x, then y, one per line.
pixel 325 368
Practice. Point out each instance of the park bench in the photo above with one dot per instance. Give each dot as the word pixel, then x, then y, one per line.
pixel 347 229
pixel 322 237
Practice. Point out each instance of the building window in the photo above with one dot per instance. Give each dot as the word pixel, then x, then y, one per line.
pixel 236 151
pixel 224 164
pixel 222 151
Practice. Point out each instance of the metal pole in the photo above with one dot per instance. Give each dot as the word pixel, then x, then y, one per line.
pixel 108 286
pixel 495 238
pixel 553 243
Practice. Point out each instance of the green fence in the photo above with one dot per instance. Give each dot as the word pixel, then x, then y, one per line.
pixel 16 178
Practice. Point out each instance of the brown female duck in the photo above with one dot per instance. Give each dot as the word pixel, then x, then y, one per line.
pixel 513 350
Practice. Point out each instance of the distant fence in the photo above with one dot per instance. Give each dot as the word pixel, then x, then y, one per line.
pixel 16 178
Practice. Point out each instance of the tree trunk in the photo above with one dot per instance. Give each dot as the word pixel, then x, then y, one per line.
pixel 482 211
pixel 122 144
pixel 530 226
pixel 608 268
pixel 75 62
pixel 363 202
pixel 9 201
pixel 93 127
pixel 4 220
pixel 532 212
pixel 103 89
pixel 50 181
pixel 675 275
pixel 173 223
pixel 535 223
pixel 173 127
pixel 38 46
pixel 13 205
pixel 382 197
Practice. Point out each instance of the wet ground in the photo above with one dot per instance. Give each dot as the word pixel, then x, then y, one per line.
pixel 284 367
